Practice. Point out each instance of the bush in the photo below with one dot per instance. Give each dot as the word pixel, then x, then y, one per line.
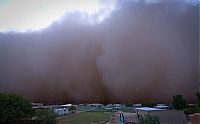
pixel 14 107
pixel 192 109
pixel 129 105
pixel 198 98
pixel 178 102
pixel 149 119
pixel 72 109
pixel 46 116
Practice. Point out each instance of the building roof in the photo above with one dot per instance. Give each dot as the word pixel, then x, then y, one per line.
pixel 66 105
pixel 148 109
pixel 161 106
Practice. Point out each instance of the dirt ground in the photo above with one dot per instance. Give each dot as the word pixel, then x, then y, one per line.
pixel 128 117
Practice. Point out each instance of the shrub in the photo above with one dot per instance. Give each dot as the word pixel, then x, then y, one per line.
pixel 14 107
pixel 192 109
pixel 72 109
pixel 46 116
pixel 129 105
pixel 178 102
pixel 198 98
pixel 149 119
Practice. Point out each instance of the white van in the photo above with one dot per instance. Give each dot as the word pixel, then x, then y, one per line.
pixel 61 111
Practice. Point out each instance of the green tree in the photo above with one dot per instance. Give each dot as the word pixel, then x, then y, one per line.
pixel 192 109
pixel 129 105
pixel 14 107
pixel 46 116
pixel 178 102
pixel 198 98
pixel 149 119
pixel 72 108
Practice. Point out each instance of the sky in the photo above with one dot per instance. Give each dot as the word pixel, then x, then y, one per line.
pixel 116 51
pixel 23 15
pixel 32 15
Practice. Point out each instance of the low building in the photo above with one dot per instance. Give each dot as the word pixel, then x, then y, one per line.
pixel 96 105
pixel 37 105
pixel 59 110
pixel 137 105
pixel 166 116
pixel 109 105
pixel 117 106
pixel 146 110
pixel 109 108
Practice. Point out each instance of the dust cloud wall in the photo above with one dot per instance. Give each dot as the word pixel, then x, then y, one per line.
pixel 143 51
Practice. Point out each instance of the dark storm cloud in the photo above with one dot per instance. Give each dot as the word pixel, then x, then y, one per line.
pixel 143 51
